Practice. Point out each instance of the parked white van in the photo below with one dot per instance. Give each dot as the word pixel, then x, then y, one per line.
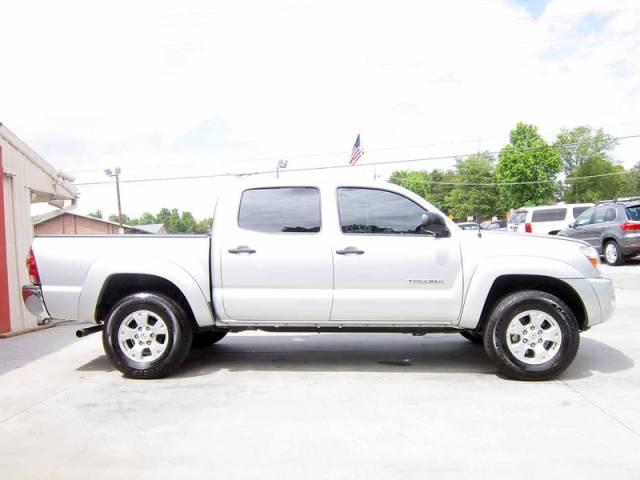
pixel 549 219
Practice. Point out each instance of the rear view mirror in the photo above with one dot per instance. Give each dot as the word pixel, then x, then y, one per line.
pixel 435 224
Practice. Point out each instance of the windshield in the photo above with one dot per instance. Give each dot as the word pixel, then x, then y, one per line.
pixel 518 217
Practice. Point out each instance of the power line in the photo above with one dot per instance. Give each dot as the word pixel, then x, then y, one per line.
pixel 532 182
pixel 291 157
pixel 334 167
pixel 288 157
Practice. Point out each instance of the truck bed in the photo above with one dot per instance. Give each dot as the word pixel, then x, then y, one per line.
pixel 67 264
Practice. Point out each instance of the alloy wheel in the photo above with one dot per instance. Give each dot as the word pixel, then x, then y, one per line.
pixel 533 337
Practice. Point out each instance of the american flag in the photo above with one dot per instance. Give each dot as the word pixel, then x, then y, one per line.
pixel 357 152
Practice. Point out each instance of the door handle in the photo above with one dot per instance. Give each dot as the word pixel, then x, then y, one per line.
pixel 242 249
pixel 350 251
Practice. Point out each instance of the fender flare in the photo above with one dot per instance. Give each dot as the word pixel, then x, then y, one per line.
pixel 105 267
pixel 487 272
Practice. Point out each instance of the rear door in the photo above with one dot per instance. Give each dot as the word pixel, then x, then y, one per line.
pixel 386 268
pixel 276 262
pixel 601 218
pixel 516 221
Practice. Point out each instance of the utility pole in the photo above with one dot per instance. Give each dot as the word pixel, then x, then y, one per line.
pixel 116 173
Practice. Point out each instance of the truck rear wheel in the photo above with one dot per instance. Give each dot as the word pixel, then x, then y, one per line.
pixel 532 335
pixel 147 335
pixel 473 337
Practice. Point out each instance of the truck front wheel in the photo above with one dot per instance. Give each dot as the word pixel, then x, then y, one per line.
pixel 147 335
pixel 532 335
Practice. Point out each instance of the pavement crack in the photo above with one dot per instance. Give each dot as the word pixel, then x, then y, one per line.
pixel 603 410
pixel 37 404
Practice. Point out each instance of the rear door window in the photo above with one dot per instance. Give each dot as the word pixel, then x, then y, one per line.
pixel 549 215
pixel 633 213
pixel 278 210
pixel 600 215
pixel 519 216
pixel 610 216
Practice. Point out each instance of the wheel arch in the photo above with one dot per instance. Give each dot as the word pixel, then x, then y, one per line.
pixel 120 285
pixel 609 238
pixel 506 284
pixel 109 280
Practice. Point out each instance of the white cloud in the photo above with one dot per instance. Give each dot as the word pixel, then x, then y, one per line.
pixel 146 84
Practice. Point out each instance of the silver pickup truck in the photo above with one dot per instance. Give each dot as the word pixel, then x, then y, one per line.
pixel 324 257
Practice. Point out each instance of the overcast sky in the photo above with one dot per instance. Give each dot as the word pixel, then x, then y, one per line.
pixel 166 88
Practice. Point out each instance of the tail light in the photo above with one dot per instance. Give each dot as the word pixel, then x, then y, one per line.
pixel 630 226
pixel 32 268
pixel 528 228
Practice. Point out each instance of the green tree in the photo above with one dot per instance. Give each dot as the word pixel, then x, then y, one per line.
pixel 125 219
pixel 581 144
pixel 147 219
pixel 187 222
pixel 204 225
pixel 527 158
pixel 163 217
pixel 596 188
pixel 631 182
pixel 173 224
pixel 96 214
pixel 433 186
pixel 479 201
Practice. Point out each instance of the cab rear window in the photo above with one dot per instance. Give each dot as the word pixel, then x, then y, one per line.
pixel 549 215
pixel 633 212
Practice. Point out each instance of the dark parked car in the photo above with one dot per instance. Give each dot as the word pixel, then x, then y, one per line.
pixel 468 226
pixel 494 225
pixel 612 227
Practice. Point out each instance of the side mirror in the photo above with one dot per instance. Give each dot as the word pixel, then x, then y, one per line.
pixel 434 223
pixel 572 225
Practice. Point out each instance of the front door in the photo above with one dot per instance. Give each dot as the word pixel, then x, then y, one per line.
pixel 386 268
pixel 580 228
pixel 276 263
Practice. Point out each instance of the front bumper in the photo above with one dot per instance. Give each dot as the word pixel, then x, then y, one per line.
pixel 603 288
pixel 598 298
pixel 33 300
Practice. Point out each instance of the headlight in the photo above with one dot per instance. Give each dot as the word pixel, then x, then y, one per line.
pixel 592 255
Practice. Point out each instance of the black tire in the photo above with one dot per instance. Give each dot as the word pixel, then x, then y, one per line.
pixel 178 335
pixel 619 260
pixel 208 338
pixel 472 336
pixel 495 335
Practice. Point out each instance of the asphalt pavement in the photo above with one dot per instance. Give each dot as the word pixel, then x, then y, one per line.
pixel 328 406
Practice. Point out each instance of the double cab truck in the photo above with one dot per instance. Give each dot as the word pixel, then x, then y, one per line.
pixel 324 257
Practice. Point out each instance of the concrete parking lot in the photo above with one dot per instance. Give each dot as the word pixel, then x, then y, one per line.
pixel 374 406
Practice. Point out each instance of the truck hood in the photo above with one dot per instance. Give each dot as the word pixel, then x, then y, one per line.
pixel 506 244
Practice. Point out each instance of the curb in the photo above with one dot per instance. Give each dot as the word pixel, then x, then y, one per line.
pixel 28 330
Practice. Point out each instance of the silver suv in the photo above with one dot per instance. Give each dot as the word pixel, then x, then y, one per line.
pixel 612 227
